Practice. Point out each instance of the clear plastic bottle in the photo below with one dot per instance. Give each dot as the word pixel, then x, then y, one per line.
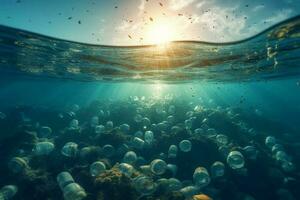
pixel 217 169
pixel 270 141
pixel 149 137
pixel 158 166
pixel 97 168
pixel 172 152
pixel 109 125
pixel 201 177
pixel 74 191
pixel 185 145
pixel 235 160
pixel 45 132
pixel 126 169
pixel 125 128
pixel 63 179
pixel 138 143
pixel 130 157
pixel 70 149
pixel 144 185
pixel 250 152
pixel 43 148
pixel 222 139
pixel 172 168
pixel 100 129
pixel 174 184
pixel 108 150
pixel 189 191
pixel 8 192
pixel 18 165
pixel 74 124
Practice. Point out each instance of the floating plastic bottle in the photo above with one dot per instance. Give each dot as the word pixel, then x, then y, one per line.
pixel 189 191
pixel 138 143
pixel 45 132
pixel 201 177
pixel 109 125
pixel 250 152
pixel 217 169
pixel 108 150
pixel 100 129
pixel 8 192
pixel 126 169
pixel 94 121
pixel 130 157
pixel 97 168
pixel 71 190
pixel 17 165
pixel 43 148
pixel 174 184
pixel 158 166
pixel 185 145
pixel 70 149
pixel 125 128
pixel 222 139
pixel 74 124
pixel 144 185
pixel 235 160
pixel 149 137
pixel 172 152
pixel 270 141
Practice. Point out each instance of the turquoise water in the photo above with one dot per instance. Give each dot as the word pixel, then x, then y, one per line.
pixel 247 92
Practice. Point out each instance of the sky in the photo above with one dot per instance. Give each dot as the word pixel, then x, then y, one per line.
pixel 139 22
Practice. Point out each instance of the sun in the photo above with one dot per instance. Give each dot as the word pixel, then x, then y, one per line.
pixel 160 33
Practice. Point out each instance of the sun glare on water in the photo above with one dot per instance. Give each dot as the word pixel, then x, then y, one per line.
pixel 160 33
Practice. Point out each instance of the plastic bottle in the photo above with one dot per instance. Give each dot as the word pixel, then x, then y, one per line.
pixel 100 129
pixel 17 165
pixel 185 145
pixel 235 160
pixel 250 152
pixel 189 191
pixel 8 192
pixel 126 169
pixel 63 179
pixel 108 150
pixel 172 152
pixel 71 190
pixel 138 143
pixel 43 148
pixel 174 184
pixel 130 157
pixel 45 132
pixel 97 168
pixel 74 124
pixel 109 125
pixel 217 169
pixel 94 121
pixel 222 139
pixel 146 122
pixel 70 149
pixel 158 166
pixel 172 168
pixel 201 177
pixel 125 128
pixel 270 141
pixel 149 137
pixel 144 185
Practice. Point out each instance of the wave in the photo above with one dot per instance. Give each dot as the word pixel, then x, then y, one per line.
pixel 271 54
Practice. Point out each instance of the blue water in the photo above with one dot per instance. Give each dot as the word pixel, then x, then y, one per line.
pixel 247 90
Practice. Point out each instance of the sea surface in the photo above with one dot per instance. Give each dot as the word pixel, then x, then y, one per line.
pixel 182 120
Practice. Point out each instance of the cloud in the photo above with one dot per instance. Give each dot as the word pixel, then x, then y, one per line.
pixel 179 4
pixel 257 8
pixel 280 16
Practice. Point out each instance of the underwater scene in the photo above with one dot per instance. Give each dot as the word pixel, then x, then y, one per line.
pixel 172 118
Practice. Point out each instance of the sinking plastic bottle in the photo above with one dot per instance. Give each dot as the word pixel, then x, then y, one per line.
pixel 185 145
pixel 126 169
pixel 250 152
pixel 43 148
pixel 100 129
pixel 125 128
pixel 70 149
pixel 158 166
pixel 18 165
pixel 174 184
pixel 70 189
pixel 172 152
pixel 108 150
pixel 144 185
pixel 235 160
pixel 270 141
pixel 189 191
pixel 149 137
pixel 222 139
pixel 130 157
pixel 45 132
pixel 97 168
pixel 201 177
pixel 8 192
pixel 217 169
pixel 138 143
pixel 94 121
pixel 109 125
pixel 74 124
